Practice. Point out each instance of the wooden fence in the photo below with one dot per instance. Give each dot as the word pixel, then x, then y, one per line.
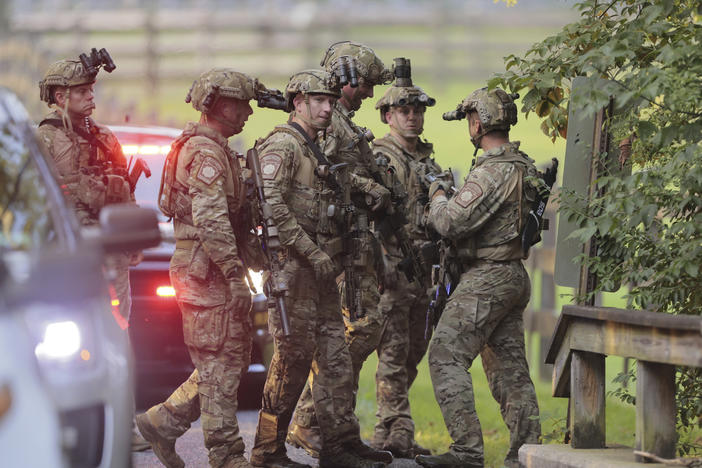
pixel 159 46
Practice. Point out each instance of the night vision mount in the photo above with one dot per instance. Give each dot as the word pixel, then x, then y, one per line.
pixel 346 71
pixel 402 70
pixel 97 59
pixel 272 99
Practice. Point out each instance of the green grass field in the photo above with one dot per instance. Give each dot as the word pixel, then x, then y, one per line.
pixel 429 424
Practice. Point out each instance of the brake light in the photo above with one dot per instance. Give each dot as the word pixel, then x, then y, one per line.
pixel 145 150
pixel 165 291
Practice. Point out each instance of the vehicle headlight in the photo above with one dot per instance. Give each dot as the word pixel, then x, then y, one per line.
pixel 61 341
pixel 64 338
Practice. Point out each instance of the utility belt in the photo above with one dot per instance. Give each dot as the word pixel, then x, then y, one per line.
pixel 468 252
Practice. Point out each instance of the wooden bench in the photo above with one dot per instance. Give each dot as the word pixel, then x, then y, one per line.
pixel 585 335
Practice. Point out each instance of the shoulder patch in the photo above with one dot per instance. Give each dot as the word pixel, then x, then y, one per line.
pixel 469 192
pixel 270 164
pixel 209 170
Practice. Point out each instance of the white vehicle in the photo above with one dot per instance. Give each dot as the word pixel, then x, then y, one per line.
pixel 65 365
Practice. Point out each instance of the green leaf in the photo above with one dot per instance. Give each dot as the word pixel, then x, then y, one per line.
pixel 692 269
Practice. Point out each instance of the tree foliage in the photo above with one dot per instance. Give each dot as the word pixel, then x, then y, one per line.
pixel 648 224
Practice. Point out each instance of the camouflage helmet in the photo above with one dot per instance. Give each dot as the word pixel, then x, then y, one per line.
pixel 221 82
pixel 311 82
pixel 403 96
pixel 496 109
pixel 64 73
pixel 370 68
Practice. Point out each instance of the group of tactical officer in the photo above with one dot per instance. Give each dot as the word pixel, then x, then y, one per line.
pixel 354 226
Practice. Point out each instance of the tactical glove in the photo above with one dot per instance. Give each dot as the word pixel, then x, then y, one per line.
pixel 380 198
pixel 241 297
pixel 439 185
pixel 324 268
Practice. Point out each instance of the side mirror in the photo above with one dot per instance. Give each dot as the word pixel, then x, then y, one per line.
pixel 128 227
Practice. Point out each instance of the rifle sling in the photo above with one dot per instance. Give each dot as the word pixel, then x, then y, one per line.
pixel 318 154
pixel 92 140
pixel 321 159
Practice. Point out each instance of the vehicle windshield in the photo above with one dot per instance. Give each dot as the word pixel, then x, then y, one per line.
pixel 25 209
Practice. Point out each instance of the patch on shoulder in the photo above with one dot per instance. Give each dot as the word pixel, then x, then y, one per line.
pixel 469 192
pixel 209 170
pixel 270 164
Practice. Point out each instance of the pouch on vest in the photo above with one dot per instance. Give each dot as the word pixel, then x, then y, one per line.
pixel 168 202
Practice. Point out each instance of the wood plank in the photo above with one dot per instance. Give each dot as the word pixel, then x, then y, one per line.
pixel 667 346
pixel 655 409
pixel 635 317
pixel 558 336
pixel 560 385
pixel 587 402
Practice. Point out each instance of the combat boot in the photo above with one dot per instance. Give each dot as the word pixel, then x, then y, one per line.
pixel 346 459
pixel 399 443
pixel 163 448
pixel 358 447
pixel 445 460
pixel 283 461
pixel 139 444
pixel 237 461
pixel 379 436
pixel 419 450
pixel 307 438
pixel 269 444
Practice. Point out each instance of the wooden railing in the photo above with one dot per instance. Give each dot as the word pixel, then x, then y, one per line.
pixel 584 336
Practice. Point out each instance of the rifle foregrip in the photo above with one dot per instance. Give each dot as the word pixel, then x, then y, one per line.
pixel 283 316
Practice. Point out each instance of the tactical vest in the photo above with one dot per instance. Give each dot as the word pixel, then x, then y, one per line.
pixel 95 176
pixel 310 197
pixel 174 197
pixel 500 237
pixel 415 185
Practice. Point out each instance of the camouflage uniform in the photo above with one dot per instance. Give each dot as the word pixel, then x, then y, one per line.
pixel 404 306
pixel 94 174
pixel 315 346
pixel 211 227
pixel 341 145
pixel 484 314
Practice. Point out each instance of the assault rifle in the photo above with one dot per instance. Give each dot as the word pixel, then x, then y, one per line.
pixel 275 288
pixel 354 226
pixel 531 234
pixel 140 167
pixel 444 278
pixel 393 222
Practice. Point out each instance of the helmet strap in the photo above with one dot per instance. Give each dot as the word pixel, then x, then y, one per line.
pixel 67 123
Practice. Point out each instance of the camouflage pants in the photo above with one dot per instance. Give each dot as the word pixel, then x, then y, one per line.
pixel 315 348
pixel 402 346
pixel 362 337
pixel 484 316
pixel 117 273
pixel 219 342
